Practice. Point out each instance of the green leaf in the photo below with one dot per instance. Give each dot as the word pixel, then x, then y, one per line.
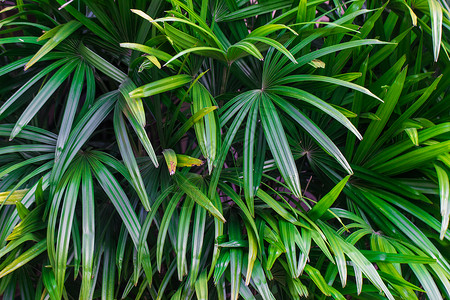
pixel 426 280
pixel 101 64
pixel 408 113
pixel 50 33
pixel 140 131
pixel 252 252
pixel 134 106
pixel 400 147
pixel 221 265
pixel 44 94
pixel 201 286
pixel 109 270
pixel 242 104
pixel 307 124
pixel 128 157
pixel 81 133
pixel 24 258
pixel 411 209
pixel 165 282
pixel 317 102
pixel 249 149
pixel 332 80
pixel 21 39
pixel 327 50
pixel 444 192
pixel 255 9
pixel 88 231
pixel 278 144
pixel 192 191
pixel 196 117
pixel 272 43
pixel 318 279
pixel 203 51
pixel 147 17
pixel 123 206
pixel 206 128
pixel 275 205
pixel 287 234
pixel 16 243
pixel 49 280
pixel 142 245
pixel 92 25
pixel 436 26
pixel 236 257
pixel 65 31
pixel 30 133
pixel 242 48
pixel 377 256
pixel 164 226
pixel 65 229
pixel 183 236
pixel 325 203
pixel 152 51
pixel 71 107
pixel 384 112
pixel 160 86
pixel 413 159
pixel 259 281
pixel 19 63
pixel 205 31
pixel 339 256
pixel 406 226
pixel 368 269
pixel 198 231
pixel 237 199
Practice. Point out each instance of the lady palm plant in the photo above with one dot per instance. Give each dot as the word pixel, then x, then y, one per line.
pixel 224 149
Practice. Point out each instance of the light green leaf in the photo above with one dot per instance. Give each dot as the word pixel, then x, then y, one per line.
pixel 24 258
pixel 65 31
pixel 160 86
pixel 325 203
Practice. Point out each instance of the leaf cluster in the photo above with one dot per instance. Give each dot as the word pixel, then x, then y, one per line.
pixel 217 149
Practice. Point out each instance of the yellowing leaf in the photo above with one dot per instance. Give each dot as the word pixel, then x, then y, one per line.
pixel 188 161
pixel 171 160
pixel 8 198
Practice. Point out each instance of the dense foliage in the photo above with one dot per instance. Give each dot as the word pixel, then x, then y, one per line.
pixel 222 149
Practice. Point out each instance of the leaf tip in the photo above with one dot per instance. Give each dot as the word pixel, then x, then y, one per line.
pixel 14 132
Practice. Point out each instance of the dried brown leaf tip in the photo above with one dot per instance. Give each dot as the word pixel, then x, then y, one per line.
pixel 171 160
